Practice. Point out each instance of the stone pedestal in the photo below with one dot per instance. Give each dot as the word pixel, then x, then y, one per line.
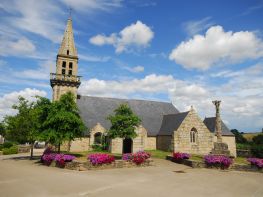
pixel 220 148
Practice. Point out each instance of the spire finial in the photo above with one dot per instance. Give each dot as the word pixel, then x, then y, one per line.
pixel 70 13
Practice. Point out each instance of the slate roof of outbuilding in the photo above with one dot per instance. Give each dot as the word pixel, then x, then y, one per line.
pixel 171 123
pixel 210 123
pixel 95 110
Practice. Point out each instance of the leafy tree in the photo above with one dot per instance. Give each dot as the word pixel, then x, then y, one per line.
pixel 63 122
pixel 25 125
pixel 123 123
pixel 239 137
pixel 258 139
pixel 2 129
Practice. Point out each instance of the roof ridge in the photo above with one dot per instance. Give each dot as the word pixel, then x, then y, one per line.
pixel 127 99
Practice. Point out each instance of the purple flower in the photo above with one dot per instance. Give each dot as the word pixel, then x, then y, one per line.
pixel 218 160
pixel 180 156
pixel 100 158
pixel 256 161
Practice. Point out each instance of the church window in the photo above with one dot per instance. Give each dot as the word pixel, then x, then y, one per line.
pixel 63 71
pixel 70 72
pixel 193 135
pixel 67 52
pixel 63 64
pixel 70 65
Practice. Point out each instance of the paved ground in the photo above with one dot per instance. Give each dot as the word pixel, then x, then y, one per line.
pixel 21 177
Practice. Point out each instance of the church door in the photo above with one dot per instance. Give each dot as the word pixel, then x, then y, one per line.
pixel 127 145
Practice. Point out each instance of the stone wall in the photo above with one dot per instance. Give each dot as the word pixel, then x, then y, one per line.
pixel 231 142
pixel 164 143
pixel 151 143
pixel 138 143
pixel 59 90
pixel 77 145
pixel 97 129
pixel 181 138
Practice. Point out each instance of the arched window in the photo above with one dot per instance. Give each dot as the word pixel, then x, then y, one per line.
pixel 193 135
pixel 97 138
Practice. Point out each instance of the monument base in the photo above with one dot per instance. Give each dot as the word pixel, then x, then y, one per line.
pixel 220 148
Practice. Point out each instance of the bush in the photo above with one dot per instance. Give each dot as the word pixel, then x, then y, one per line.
pixel 97 147
pixel 1 147
pixel 61 159
pixel 10 151
pixel 256 161
pixel 219 161
pixel 7 144
pixel 179 156
pixel 137 158
pixel 257 151
pixel 258 139
pixel 100 158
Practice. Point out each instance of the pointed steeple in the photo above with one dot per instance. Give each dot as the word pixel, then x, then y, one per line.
pixel 67 46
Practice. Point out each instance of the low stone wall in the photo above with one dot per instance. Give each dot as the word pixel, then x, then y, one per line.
pixel 200 164
pixel 249 168
pixel 82 166
pixel 187 162
pixel 24 148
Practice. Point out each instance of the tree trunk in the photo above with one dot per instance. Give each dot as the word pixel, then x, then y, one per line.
pixel 69 144
pixel 58 147
pixel 31 151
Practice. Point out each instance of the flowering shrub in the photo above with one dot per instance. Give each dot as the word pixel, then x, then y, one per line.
pixel 256 161
pixel 48 156
pixel 179 156
pixel 218 161
pixel 127 157
pixel 137 158
pixel 100 158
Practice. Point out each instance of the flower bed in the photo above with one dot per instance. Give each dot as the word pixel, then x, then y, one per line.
pixel 180 156
pixel 256 162
pixel 100 158
pixel 219 161
pixel 60 159
pixel 137 158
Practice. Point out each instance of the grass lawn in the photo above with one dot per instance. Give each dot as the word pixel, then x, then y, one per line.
pixel 158 153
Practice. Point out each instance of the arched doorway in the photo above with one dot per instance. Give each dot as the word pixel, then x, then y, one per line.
pixel 127 145
pixel 98 138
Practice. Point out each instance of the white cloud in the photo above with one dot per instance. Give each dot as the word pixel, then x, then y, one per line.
pixel 135 69
pixel 21 46
pixel 241 104
pixel 135 35
pixel 197 26
pixel 8 100
pixel 93 58
pixel 217 47
pixel 93 5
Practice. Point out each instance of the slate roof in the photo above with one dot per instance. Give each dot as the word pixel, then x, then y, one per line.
pixel 171 123
pixel 210 123
pixel 95 110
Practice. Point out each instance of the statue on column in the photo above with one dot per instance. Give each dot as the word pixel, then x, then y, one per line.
pixel 218 127
pixel 220 148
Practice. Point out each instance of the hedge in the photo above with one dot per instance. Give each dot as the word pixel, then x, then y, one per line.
pixel 11 150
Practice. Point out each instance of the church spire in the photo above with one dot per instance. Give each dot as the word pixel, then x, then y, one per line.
pixel 67 46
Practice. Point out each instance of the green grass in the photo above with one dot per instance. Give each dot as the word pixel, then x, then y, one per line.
pixel 240 160
pixel 158 153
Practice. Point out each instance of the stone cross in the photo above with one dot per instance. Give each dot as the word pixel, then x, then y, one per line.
pixel 218 128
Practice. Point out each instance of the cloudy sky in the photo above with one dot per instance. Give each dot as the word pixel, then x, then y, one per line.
pixel 184 52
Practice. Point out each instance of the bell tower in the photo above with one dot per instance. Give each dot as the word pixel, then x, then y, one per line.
pixel 66 77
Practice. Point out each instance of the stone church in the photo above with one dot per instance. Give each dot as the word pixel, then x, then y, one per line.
pixel 163 127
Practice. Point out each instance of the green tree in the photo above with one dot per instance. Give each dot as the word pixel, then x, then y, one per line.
pixel 2 129
pixel 258 139
pixel 123 123
pixel 25 126
pixel 63 122
pixel 239 137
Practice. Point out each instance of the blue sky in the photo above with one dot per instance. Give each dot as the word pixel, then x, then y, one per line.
pixel 184 52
